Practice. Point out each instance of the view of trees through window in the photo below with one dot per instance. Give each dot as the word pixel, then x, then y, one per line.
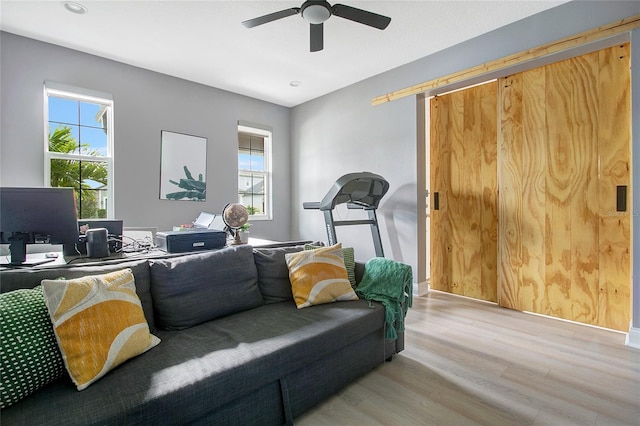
pixel 78 151
pixel 79 175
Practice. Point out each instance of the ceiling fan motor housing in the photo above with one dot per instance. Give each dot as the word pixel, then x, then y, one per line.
pixel 315 12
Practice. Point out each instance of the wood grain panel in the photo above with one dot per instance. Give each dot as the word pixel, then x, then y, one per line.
pixel 510 192
pixel 439 160
pixel 489 187
pixel 564 148
pixel 455 199
pixel 584 188
pixel 534 153
pixel 557 300
pixel 470 196
pixel 463 172
pixel 614 137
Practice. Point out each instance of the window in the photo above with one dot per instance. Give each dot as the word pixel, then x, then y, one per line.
pixel 254 170
pixel 78 144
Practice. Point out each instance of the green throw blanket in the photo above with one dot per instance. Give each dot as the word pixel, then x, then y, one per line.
pixel 390 283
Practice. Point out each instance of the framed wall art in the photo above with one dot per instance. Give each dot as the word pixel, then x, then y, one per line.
pixel 183 167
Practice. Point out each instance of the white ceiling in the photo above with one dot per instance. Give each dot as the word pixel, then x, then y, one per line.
pixel 204 41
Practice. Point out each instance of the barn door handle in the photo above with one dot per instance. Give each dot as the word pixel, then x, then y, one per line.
pixel 436 201
pixel 621 199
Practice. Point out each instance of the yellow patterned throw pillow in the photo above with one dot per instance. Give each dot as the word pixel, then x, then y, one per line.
pixel 98 322
pixel 319 276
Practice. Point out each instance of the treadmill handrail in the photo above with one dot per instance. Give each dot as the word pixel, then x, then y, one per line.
pixel 364 189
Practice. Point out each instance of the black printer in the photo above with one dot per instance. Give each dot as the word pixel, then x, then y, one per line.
pixel 207 232
pixel 190 240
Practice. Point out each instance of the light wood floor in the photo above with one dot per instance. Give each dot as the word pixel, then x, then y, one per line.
pixel 468 362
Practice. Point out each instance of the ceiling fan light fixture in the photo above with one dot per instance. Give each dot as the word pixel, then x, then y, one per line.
pixel 315 13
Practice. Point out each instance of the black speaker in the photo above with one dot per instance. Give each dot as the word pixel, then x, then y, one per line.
pixel 114 231
pixel 97 242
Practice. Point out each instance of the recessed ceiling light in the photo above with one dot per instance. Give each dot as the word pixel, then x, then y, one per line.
pixel 295 83
pixel 74 7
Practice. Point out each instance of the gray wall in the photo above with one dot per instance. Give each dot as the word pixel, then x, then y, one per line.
pixel 145 103
pixel 341 132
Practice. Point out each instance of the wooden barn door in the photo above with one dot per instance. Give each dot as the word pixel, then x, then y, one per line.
pixel 553 241
pixel 564 248
pixel 463 177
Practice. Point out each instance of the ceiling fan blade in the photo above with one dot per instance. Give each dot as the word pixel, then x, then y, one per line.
pixel 317 37
pixel 361 16
pixel 271 17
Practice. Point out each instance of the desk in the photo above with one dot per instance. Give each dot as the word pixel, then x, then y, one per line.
pixel 81 260
pixel 152 253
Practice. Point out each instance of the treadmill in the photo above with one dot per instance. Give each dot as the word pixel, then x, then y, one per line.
pixel 362 190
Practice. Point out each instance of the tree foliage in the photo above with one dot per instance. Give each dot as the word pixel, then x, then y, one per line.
pixel 75 173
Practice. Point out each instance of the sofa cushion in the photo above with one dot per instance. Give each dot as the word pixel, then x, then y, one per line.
pixel 29 354
pixel 98 322
pixel 319 276
pixel 30 277
pixel 192 289
pixel 273 274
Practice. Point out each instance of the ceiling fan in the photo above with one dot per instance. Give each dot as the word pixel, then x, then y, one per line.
pixel 316 12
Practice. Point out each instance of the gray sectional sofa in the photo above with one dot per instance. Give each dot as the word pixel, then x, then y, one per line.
pixel 234 348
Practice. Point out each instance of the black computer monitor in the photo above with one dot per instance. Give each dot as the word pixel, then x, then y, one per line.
pixel 36 216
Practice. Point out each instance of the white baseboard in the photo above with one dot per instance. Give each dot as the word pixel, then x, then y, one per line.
pixel 421 288
pixel 633 338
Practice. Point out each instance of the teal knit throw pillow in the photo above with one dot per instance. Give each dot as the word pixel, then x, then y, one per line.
pixel 29 354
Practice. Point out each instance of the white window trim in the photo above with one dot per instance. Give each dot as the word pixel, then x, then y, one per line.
pixel 266 132
pixel 70 92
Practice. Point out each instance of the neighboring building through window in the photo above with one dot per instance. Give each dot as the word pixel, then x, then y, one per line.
pixel 254 170
pixel 79 147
